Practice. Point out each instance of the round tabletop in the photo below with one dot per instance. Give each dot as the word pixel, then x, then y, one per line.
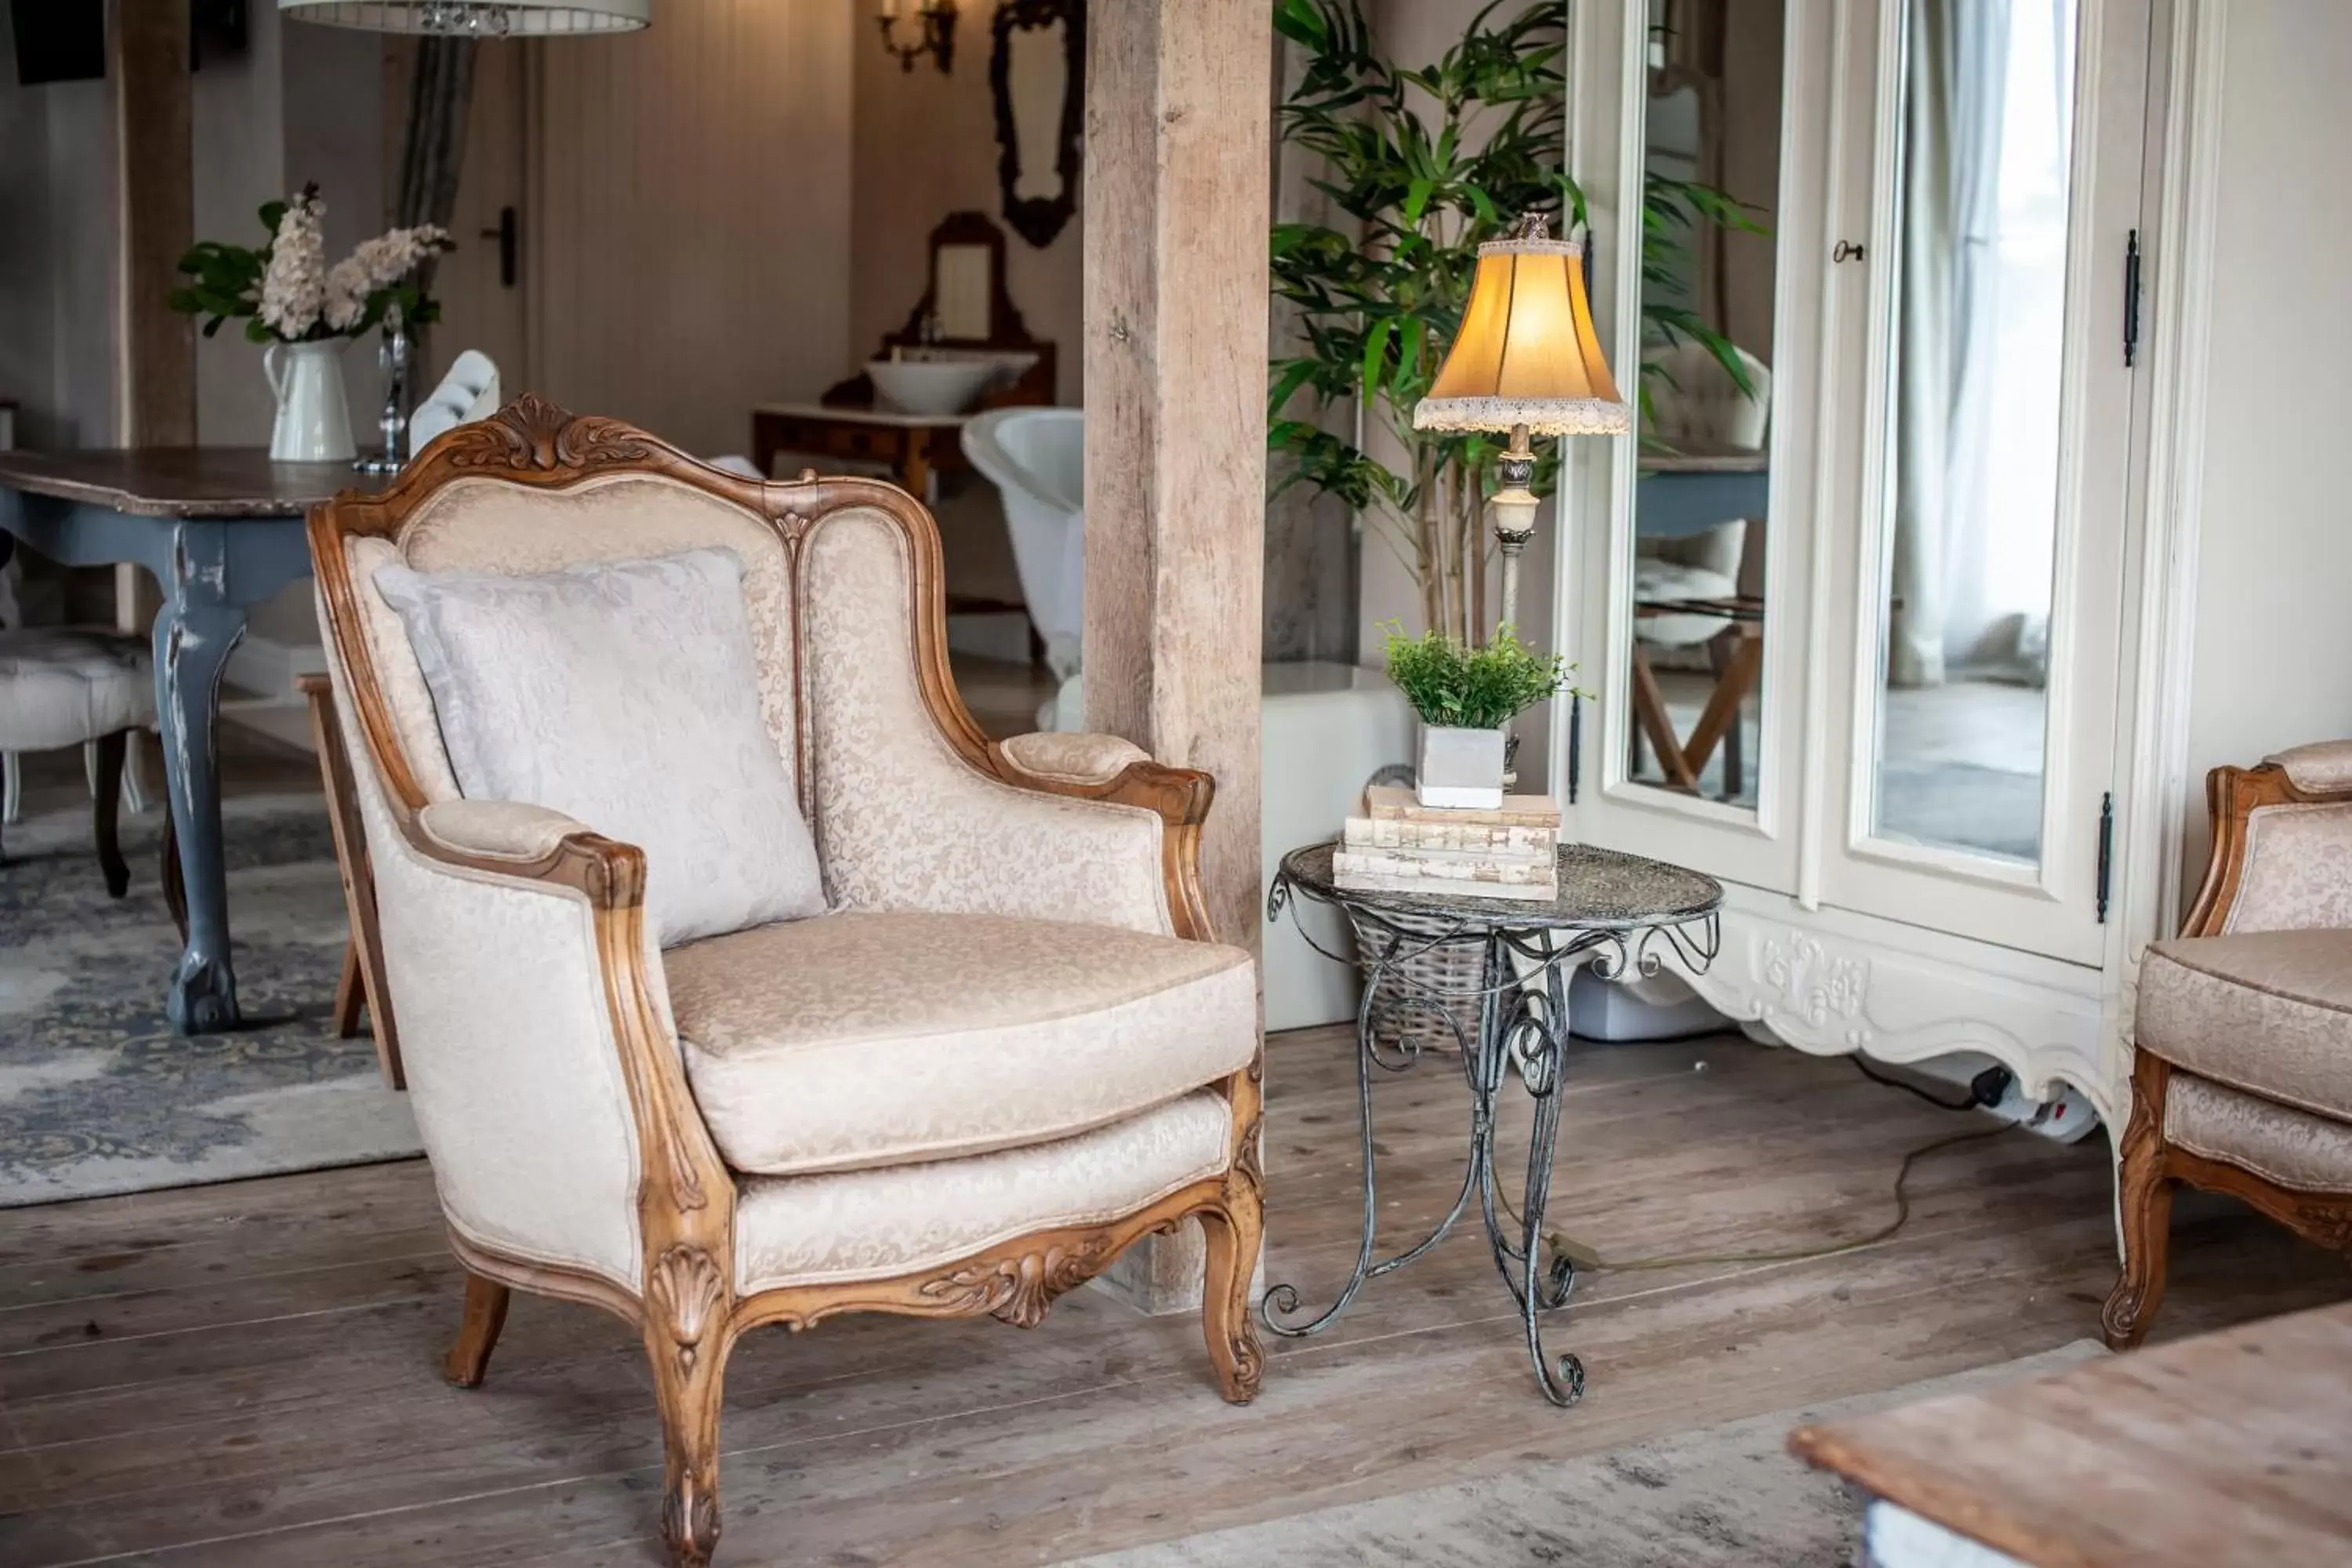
pixel 1600 889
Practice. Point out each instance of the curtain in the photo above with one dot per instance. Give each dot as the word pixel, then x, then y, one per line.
pixel 433 151
pixel 1956 66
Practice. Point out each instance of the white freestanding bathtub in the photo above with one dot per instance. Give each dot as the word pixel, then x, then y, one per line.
pixel 1036 459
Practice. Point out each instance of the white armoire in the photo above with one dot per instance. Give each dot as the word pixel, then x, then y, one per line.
pixel 1879 637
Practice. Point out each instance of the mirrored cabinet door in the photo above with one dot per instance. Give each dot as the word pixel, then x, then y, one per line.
pixel 1707 194
pixel 1850 607
pixel 1990 464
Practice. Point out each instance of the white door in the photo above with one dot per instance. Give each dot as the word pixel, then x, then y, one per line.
pixel 1973 605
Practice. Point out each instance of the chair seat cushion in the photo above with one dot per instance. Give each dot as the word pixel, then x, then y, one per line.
pixel 1656 579
pixel 869 1224
pixel 2293 1148
pixel 2269 1013
pixel 870 1038
pixel 60 686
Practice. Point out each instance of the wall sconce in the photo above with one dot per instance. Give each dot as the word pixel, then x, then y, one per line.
pixel 936 20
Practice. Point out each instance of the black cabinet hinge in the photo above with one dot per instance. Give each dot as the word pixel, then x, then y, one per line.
pixel 2106 851
pixel 2131 300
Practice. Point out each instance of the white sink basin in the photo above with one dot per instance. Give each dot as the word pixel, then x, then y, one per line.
pixel 934 386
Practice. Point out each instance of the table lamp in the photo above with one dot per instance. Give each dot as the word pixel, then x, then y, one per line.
pixel 1527 361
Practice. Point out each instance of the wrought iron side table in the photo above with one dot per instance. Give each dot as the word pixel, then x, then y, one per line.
pixel 1621 913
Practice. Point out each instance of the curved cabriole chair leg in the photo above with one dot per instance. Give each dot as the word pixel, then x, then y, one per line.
pixel 2143 1204
pixel 486 1314
pixel 689 1374
pixel 1233 1232
pixel 106 800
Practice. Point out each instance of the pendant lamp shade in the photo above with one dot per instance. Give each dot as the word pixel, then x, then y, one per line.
pixel 477 18
pixel 1527 354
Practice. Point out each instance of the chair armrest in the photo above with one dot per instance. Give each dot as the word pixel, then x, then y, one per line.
pixel 2281 834
pixel 2318 772
pixel 1116 772
pixel 1059 758
pixel 507 832
pixel 518 941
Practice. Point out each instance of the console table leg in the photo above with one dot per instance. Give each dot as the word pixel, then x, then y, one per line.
pixel 1530 1041
pixel 193 634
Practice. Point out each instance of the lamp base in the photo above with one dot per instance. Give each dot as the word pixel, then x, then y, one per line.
pixel 1515 517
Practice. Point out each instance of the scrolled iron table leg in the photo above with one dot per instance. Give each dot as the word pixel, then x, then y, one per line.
pixel 1283 1299
pixel 1621 913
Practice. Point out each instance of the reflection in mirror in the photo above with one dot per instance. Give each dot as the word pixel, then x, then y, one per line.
pixel 1037 81
pixel 1972 444
pixel 1711 157
pixel 961 291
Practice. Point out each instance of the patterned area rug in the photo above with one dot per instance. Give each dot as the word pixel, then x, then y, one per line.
pixel 1729 1497
pixel 98 1095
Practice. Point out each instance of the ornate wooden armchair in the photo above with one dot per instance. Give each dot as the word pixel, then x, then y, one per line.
pixel 1007 1052
pixel 2242 1077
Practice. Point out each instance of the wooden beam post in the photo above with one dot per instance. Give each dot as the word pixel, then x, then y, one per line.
pixel 1179 127
pixel 155 371
pixel 155 222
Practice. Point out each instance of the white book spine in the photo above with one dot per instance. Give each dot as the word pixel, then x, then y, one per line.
pixel 1371 882
pixel 1467 869
pixel 1396 833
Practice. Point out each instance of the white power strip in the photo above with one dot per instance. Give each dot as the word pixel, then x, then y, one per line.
pixel 2068 1118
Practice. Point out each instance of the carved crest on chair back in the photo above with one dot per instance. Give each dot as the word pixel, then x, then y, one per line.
pixel 532 433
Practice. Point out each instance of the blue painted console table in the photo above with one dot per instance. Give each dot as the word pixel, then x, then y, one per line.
pixel 1692 489
pixel 220 529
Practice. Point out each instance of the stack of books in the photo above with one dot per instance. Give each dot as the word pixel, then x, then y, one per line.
pixel 1399 845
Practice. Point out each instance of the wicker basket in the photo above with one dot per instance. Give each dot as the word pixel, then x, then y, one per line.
pixel 1404 1018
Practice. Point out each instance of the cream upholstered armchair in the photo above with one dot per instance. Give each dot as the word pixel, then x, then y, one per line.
pixel 1006 1051
pixel 2242 1077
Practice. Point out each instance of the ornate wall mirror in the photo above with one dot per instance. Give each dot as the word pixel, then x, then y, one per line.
pixel 1037 73
pixel 966 311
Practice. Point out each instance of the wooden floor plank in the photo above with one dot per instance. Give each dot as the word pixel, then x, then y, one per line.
pixel 262 1386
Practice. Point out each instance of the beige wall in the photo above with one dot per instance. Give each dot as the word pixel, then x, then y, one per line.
pixel 2274 640
pixel 924 146
pixel 691 251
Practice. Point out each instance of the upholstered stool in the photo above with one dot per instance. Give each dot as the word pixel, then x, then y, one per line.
pixel 62 688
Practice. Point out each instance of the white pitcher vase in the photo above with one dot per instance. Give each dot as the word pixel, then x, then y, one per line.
pixel 314 422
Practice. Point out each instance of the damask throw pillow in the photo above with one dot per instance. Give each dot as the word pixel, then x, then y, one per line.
pixel 624 694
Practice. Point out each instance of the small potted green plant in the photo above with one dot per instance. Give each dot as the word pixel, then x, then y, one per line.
pixel 1465 696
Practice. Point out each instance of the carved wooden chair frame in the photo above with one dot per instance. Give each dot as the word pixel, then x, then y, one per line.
pixel 687 1308
pixel 2151 1167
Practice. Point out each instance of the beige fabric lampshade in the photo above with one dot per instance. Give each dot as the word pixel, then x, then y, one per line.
pixel 1527 354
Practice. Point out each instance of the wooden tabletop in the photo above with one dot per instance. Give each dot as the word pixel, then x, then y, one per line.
pixel 181 481
pixel 2228 1447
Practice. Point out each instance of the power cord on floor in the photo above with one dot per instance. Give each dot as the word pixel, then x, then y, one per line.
pixel 1590 1261
pixel 1986 1089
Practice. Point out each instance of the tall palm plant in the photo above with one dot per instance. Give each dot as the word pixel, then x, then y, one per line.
pixel 1426 163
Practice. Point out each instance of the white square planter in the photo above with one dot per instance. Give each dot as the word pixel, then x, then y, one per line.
pixel 1460 768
